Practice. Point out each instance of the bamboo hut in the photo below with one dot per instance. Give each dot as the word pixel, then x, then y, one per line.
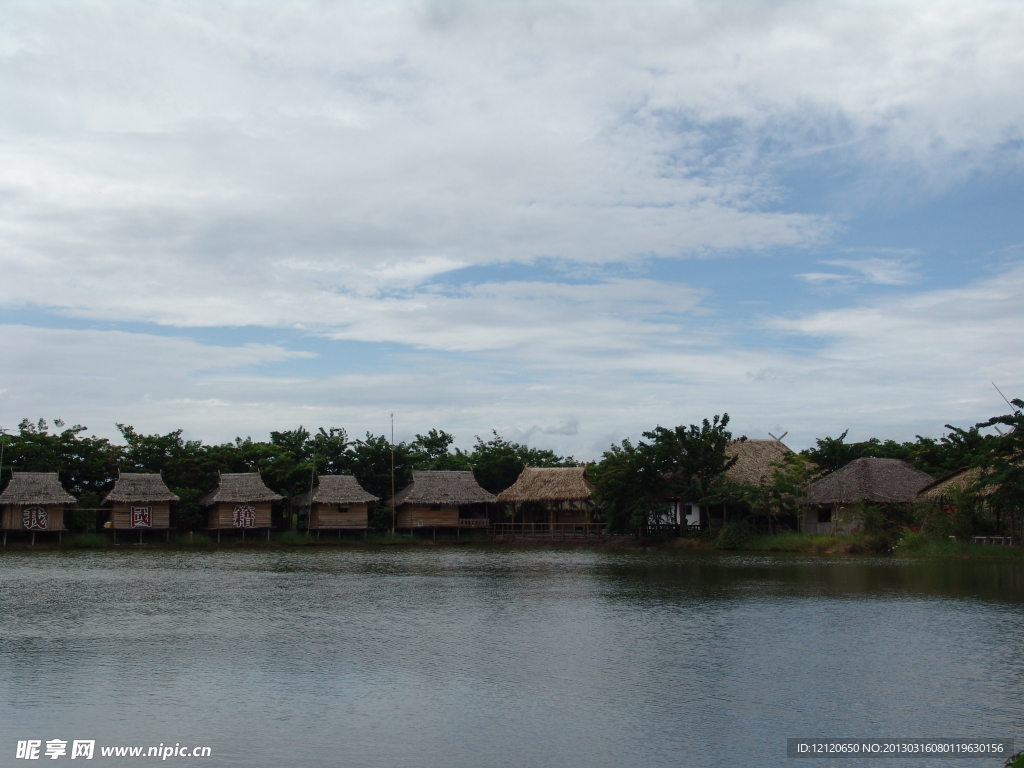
pixel 830 503
pixel 335 503
pixel 554 498
pixel 33 502
pixel 239 502
pixel 441 500
pixel 140 501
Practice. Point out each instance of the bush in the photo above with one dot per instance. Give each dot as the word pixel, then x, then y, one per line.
pixel 380 520
pixel 732 536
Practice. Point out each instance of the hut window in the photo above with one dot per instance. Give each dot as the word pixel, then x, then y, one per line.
pixel 436 507
pixel 142 517
pixel 342 510
pixel 34 518
pixel 824 515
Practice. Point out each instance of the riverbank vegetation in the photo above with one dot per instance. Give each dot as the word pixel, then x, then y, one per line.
pixel 639 487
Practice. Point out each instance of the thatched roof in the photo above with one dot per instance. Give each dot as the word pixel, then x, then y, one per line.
pixel 448 488
pixel 549 484
pixel 756 457
pixel 139 486
pixel 886 481
pixel 957 481
pixel 243 486
pixel 35 488
pixel 336 489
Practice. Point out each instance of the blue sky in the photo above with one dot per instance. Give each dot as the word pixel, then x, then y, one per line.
pixel 566 222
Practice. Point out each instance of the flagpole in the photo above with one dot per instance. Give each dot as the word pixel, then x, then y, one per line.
pixel 392 474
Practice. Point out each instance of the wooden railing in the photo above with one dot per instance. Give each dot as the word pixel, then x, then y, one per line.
pixel 474 522
pixel 549 529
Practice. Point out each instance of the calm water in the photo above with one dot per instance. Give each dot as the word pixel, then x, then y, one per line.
pixel 478 658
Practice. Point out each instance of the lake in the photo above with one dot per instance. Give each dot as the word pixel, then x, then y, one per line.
pixel 479 656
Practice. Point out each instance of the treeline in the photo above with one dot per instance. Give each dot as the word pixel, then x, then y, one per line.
pixel 633 480
pixel 88 466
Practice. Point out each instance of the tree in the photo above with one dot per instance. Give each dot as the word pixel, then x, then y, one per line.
pixel 1005 462
pixel 693 458
pixel 635 482
pixel 497 463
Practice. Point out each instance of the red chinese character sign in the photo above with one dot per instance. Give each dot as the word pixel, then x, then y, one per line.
pixel 244 516
pixel 142 517
pixel 34 518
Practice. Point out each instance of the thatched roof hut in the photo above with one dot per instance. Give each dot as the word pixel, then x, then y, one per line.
pixel 884 481
pixel 755 460
pixel 33 501
pixel 440 500
pixel 443 488
pixel 139 501
pixel 35 488
pixel 239 487
pixel 552 484
pixel 335 489
pixel 956 482
pixel 239 501
pixel 139 487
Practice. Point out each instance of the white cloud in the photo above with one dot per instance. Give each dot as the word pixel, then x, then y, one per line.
pixel 330 166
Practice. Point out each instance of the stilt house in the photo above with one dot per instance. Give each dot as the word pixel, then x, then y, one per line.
pixel 240 501
pixel 832 503
pixel 140 501
pixel 34 501
pixel 336 503
pixel 441 500
pixel 556 497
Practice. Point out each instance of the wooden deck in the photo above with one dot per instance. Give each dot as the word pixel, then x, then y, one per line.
pixel 549 530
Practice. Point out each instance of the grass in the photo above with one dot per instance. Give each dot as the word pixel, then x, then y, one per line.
pixel 799 542
pixel 921 545
pixel 85 541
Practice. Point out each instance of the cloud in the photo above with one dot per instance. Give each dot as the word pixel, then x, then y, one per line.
pixel 875 271
pixel 368 172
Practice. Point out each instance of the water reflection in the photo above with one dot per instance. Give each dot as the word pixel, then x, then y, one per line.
pixel 482 657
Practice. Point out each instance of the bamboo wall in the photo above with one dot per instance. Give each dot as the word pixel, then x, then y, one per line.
pixel 121 515
pixel 13 519
pixel 221 515
pixel 422 516
pixel 334 517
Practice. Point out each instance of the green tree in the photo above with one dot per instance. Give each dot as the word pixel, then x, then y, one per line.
pixel 497 463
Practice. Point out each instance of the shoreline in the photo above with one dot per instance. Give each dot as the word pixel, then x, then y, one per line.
pixel 789 543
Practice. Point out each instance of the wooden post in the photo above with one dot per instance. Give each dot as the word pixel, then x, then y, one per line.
pixel 218 535
pixel 268 535
pixel 33 537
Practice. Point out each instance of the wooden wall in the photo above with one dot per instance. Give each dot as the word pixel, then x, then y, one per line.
pixel 221 516
pixel 121 514
pixel 333 517
pixel 422 516
pixel 13 520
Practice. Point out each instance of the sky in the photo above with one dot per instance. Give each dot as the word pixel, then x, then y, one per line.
pixel 564 222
